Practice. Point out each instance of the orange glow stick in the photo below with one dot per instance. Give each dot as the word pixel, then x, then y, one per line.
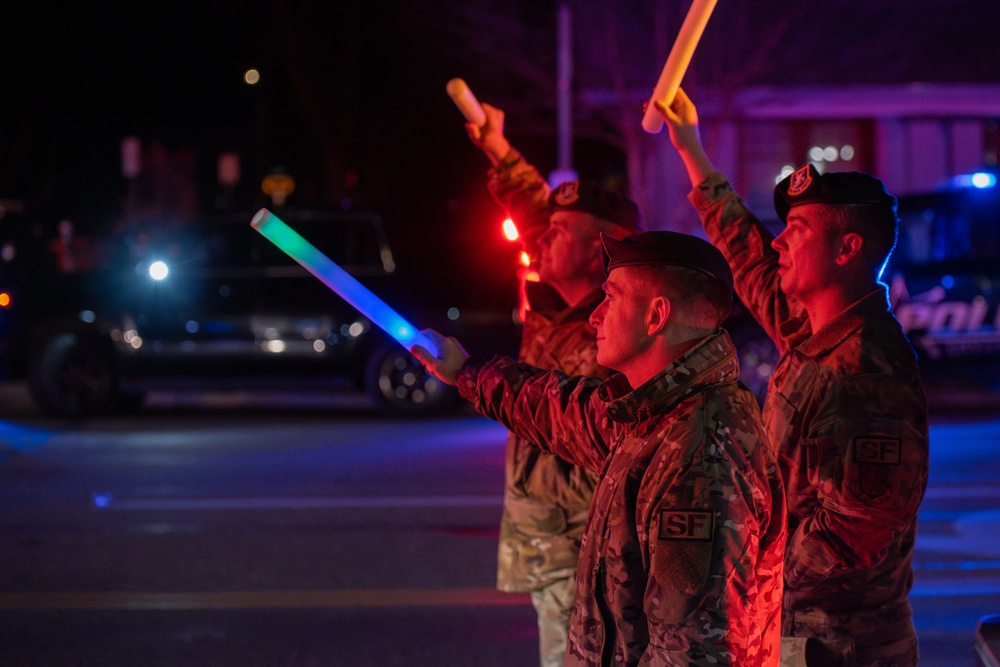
pixel 466 102
pixel 677 62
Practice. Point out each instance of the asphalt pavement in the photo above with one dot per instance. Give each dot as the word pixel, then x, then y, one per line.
pixel 378 537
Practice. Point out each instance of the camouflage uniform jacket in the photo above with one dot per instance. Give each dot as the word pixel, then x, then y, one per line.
pixel 846 410
pixel 545 498
pixel 681 558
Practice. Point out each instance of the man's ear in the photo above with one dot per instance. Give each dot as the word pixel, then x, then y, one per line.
pixel 850 248
pixel 657 315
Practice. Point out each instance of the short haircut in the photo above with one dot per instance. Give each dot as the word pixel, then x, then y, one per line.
pixel 705 301
pixel 877 225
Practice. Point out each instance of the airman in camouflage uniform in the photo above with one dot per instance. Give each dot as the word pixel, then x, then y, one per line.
pixel 681 559
pixel 545 498
pixel 845 408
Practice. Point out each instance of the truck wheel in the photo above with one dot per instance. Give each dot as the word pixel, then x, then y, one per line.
pixel 73 377
pixel 399 386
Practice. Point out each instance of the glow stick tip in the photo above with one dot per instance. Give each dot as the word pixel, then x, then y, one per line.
pixel 259 217
pixel 466 102
pixel 456 87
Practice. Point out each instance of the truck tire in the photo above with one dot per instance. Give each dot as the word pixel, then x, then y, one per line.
pixel 73 376
pixel 399 386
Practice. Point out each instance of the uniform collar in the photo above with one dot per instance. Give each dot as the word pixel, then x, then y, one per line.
pixel 711 361
pixel 837 330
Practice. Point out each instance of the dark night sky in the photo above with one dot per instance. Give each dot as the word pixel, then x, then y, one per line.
pixel 361 85
pixel 343 85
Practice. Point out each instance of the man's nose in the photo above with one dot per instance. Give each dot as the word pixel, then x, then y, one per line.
pixel 597 316
pixel 778 242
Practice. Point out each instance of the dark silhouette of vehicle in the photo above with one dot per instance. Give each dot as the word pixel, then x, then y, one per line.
pixel 215 303
pixel 944 280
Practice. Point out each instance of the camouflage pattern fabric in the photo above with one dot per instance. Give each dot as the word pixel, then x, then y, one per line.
pixel 545 499
pixel 847 412
pixel 553 605
pixel 681 559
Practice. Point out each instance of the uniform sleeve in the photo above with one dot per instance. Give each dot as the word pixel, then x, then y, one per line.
pixel 870 448
pixel 746 244
pixel 706 602
pixel 524 194
pixel 555 412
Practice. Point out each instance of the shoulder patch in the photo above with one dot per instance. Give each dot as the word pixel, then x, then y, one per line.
pixel 885 451
pixel 698 525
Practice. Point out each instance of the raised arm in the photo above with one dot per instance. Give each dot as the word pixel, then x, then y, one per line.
pixel 489 136
pixel 734 229
pixel 682 124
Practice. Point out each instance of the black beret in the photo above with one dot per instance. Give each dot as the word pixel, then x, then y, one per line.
pixel 589 197
pixel 807 186
pixel 671 248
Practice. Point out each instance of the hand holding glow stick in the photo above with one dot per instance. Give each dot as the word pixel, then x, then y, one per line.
pixel 340 281
pixel 466 102
pixel 677 62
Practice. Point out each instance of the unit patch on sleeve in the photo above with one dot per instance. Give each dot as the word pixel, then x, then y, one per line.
pixel 698 525
pixel 877 450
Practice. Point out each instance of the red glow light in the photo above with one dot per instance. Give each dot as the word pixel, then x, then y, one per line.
pixel 525 260
pixel 510 230
pixel 4 300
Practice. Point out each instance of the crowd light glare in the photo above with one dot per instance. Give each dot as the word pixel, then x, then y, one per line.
pixel 158 270
pixel 847 152
pixel 251 77
pixel 453 313
pixel 4 300
pixel 525 260
pixel 510 230
pixel 830 154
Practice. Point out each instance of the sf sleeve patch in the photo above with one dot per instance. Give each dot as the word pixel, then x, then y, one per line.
pixel 875 459
pixel 697 525
pixel 681 560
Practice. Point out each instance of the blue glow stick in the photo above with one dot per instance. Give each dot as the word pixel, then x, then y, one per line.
pixel 340 281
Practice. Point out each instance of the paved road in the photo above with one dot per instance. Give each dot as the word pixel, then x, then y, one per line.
pixel 271 530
